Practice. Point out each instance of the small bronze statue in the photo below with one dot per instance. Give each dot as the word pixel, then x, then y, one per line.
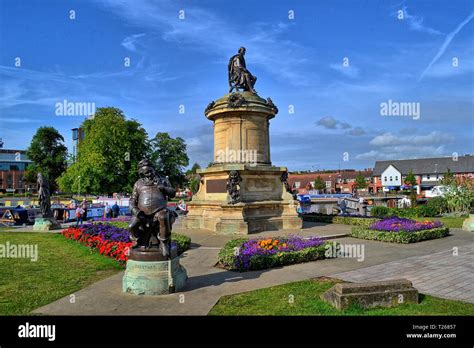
pixel 152 220
pixel 239 76
pixel 44 196
pixel 233 186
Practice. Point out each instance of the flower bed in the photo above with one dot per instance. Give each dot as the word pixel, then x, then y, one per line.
pixel 118 218
pixel 341 219
pixel 396 224
pixel 401 230
pixel 246 255
pixel 113 241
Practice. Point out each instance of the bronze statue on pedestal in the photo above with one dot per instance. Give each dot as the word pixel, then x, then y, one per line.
pixel 44 199
pixel 239 76
pixel 151 223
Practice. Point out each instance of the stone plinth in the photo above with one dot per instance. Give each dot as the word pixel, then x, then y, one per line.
pixel 388 293
pixel 45 224
pixel 241 144
pixel 146 276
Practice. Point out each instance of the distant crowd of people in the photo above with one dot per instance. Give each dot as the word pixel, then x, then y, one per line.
pixel 81 211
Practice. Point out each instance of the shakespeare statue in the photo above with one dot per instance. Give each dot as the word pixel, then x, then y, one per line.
pixel 44 196
pixel 239 76
pixel 151 223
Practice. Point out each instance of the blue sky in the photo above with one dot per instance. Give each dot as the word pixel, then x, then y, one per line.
pixel 298 62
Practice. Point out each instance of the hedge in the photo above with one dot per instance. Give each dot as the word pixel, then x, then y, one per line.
pixel 428 210
pixel 339 219
pixel 399 237
pixel 227 257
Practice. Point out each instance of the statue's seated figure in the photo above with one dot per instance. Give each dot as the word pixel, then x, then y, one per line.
pixel 151 220
pixel 239 76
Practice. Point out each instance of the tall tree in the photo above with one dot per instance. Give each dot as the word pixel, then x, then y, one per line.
pixel 319 183
pixel 193 169
pixel 360 182
pixel 107 157
pixel 48 153
pixel 170 157
pixel 410 179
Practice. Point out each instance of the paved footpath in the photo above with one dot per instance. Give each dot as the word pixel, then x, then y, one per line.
pixel 428 264
pixel 447 273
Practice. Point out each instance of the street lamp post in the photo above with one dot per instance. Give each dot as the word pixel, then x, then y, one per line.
pixel 79 192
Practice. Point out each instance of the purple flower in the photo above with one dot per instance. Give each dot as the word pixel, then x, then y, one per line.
pixel 396 224
pixel 106 232
pixel 252 248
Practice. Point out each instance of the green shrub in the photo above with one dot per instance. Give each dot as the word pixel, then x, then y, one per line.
pixel 438 204
pixel 356 221
pixel 338 219
pixel 119 224
pixel 380 211
pixel 226 257
pixel 426 211
pixel 182 242
pixel 399 237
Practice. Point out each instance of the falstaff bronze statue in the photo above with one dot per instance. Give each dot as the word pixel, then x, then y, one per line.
pixel 151 223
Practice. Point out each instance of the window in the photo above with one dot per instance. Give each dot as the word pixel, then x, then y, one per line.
pixel 396 178
pixel 385 178
pixel 297 184
pixel 391 178
pixel 328 184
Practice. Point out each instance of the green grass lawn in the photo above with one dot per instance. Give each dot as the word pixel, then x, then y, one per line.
pixel 451 222
pixel 63 267
pixel 306 301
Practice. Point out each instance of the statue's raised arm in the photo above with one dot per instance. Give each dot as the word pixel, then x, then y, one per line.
pixel 239 76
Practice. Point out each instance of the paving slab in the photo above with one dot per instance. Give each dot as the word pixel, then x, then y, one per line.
pixel 208 283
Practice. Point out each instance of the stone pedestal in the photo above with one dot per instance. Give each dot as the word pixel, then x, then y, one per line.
pixel 45 224
pixel 468 224
pixel 389 293
pixel 241 144
pixel 147 273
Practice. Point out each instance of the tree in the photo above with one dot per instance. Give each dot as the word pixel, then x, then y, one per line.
pixel 170 157
pixel 319 184
pixel 360 182
pixel 107 157
pixel 411 180
pixel 459 193
pixel 193 169
pixel 48 153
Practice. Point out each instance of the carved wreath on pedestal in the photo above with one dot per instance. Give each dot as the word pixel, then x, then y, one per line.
pixel 235 100
pixel 210 106
pixel 233 186
pixel 284 180
pixel 272 106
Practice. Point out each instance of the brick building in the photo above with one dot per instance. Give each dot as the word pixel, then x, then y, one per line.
pixel 13 164
pixel 341 181
pixel 390 175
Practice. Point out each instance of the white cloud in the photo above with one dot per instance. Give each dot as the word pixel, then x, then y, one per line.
pixel 349 71
pixel 328 122
pixel 416 23
pixel 389 139
pixel 130 42
pixel 357 131
pixel 207 31
pixel 446 43
pixel 392 146
pixel 403 152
